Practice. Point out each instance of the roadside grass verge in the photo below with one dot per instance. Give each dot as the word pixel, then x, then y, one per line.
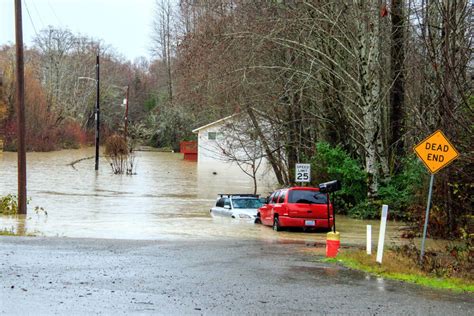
pixel 12 232
pixel 6 232
pixel 397 267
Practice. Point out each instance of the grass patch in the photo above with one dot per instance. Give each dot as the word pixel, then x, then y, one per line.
pixel 12 232
pixel 6 232
pixel 398 267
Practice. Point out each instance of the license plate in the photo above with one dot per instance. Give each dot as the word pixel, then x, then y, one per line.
pixel 310 223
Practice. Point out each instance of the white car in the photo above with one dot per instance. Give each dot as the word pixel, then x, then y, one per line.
pixel 239 206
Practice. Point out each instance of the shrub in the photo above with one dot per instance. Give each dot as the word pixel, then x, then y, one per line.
pixel 120 158
pixel 366 210
pixel 403 192
pixel 456 260
pixel 333 163
pixel 10 135
pixel 71 135
pixel 9 205
pixel 116 145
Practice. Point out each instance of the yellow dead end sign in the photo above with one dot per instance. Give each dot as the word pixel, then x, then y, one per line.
pixel 436 151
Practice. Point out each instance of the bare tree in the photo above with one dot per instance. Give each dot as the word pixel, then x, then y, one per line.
pixel 239 144
pixel 162 37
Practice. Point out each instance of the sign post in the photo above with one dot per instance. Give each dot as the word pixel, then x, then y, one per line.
pixel 427 215
pixel 303 172
pixel 436 152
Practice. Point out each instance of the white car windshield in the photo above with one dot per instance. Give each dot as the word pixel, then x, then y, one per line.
pixel 246 203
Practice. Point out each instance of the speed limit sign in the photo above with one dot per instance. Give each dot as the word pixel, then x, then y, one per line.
pixel 303 172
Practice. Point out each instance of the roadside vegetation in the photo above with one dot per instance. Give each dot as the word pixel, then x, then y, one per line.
pixel 440 270
pixel 7 232
pixel 9 206
pixel 119 155
pixel 18 232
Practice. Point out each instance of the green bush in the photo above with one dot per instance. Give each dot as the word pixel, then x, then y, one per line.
pixel 405 189
pixel 402 193
pixel 366 210
pixel 333 163
pixel 9 205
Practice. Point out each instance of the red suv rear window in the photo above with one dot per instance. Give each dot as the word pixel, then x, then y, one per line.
pixel 307 197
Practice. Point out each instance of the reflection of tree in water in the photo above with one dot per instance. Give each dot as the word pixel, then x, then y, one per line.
pixel 21 226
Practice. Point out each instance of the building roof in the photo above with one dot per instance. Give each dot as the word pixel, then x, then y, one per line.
pixel 196 130
pixel 220 121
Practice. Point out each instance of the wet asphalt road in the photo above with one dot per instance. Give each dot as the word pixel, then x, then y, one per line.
pixel 90 276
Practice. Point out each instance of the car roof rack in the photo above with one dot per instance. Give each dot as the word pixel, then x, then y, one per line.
pixel 238 194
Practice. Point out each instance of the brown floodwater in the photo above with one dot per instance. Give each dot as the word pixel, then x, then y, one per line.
pixel 168 198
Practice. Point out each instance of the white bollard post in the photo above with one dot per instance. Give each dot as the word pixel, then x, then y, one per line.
pixel 383 226
pixel 369 239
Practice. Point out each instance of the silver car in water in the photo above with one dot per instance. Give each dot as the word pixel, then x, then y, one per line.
pixel 239 206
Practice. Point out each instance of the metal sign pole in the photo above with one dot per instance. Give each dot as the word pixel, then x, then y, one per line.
pixel 329 213
pixel 333 216
pixel 425 228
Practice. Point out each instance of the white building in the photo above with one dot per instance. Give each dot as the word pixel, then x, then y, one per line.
pixel 211 144
pixel 228 154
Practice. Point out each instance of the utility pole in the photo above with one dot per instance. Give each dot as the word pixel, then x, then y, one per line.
pixel 2 105
pixel 126 112
pixel 97 113
pixel 20 105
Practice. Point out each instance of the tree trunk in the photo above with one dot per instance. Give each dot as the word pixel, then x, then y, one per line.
pixel 368 55
pixel 397 92
pixel 254 178
pixel 277 169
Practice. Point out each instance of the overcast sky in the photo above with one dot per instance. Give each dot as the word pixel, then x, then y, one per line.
pixel 123 24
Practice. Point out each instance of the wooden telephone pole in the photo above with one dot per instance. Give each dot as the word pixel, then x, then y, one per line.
pixel 97 111
pixel 20 105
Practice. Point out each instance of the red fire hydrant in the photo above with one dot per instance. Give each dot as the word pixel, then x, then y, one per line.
pixel 332 244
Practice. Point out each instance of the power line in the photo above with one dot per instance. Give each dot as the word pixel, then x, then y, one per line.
pixel 29 15
pixel 38 14
pixel 54 12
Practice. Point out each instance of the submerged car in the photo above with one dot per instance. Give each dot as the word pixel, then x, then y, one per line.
pixel 303 207
pixel 240 206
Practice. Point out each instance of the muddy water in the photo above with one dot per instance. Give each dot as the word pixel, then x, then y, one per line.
pixel 168 198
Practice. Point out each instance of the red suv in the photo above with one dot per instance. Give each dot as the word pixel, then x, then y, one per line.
pixel 297 207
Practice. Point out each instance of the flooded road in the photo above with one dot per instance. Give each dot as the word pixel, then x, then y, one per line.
pixel 168 198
